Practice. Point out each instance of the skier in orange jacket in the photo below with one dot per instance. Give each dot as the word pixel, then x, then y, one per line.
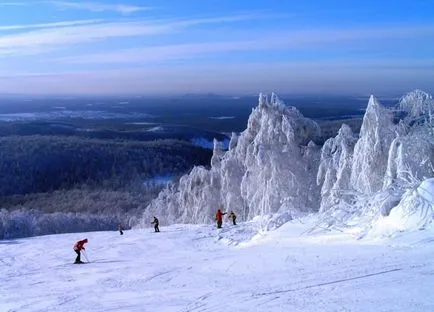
pixel 78 246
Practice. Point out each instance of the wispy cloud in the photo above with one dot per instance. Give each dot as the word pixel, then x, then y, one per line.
pixel 100 7
pixel 284 41
pixel 53 38
pixel 11 4
pixel 80 32
pixel 50 25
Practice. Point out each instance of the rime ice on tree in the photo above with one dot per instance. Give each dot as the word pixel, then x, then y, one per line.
pixel 273 167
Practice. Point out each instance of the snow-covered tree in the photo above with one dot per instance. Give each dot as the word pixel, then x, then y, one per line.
pixel 414 211
pixel 411 154
pixel 276 177
pixel 232 173
pixel 217 155
pixel 371 150
pixel 419 107
pixel 335 168
pixel 410 158
pixel 234 141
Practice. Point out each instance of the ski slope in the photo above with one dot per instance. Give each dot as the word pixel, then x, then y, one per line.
pixel 199 268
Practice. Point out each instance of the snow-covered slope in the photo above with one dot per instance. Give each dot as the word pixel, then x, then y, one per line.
pixel 198 268
pixel 273 168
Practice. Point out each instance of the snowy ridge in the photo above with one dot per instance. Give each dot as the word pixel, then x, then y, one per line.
pixel 274 170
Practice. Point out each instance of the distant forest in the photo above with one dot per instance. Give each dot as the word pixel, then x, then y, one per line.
pixel 35 164
pixel 106 180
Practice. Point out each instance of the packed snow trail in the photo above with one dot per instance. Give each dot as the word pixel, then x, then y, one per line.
pixel 199 268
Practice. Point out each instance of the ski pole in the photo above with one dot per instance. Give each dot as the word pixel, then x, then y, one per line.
pixel 85 255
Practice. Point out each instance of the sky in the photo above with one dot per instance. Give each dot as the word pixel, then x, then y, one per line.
pixel 225 46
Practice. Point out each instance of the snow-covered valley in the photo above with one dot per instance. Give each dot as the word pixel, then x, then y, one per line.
pixel 200 268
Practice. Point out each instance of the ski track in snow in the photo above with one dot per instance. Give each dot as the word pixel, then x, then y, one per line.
pixel 199 268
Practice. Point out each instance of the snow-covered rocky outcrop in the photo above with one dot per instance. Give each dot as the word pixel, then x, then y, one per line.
pixel 274 169
pixel 334 172
pixel 269 168
pixel 393 155
pixel 371 150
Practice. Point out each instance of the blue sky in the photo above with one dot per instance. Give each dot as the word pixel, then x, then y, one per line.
pixel 224 46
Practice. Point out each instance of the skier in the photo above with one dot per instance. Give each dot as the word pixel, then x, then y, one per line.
pixel 219 218
pixel 78 246
pixel 121 230
pixel 155 223
pixel 233 217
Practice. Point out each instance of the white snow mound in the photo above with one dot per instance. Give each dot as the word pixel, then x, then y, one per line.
pixel 415 211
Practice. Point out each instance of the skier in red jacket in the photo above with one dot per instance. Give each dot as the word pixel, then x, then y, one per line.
pixel 219 218
pixel 78 246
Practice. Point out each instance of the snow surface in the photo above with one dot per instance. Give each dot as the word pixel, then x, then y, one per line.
pixel 199 268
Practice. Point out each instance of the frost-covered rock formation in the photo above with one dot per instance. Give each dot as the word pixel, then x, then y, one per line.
pixel 269 168
pixel 419 107
pixel 410 157
pixel 389 160
pixel 334 172
pixel 276 157
pixel 274 168
pixel 411 154
pixel 371 150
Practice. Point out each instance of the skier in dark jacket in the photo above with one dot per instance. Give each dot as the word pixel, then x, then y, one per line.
pixel 121 229
pixel 156 223
pixel 233 217
pixel 78 246
pixel 219 218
